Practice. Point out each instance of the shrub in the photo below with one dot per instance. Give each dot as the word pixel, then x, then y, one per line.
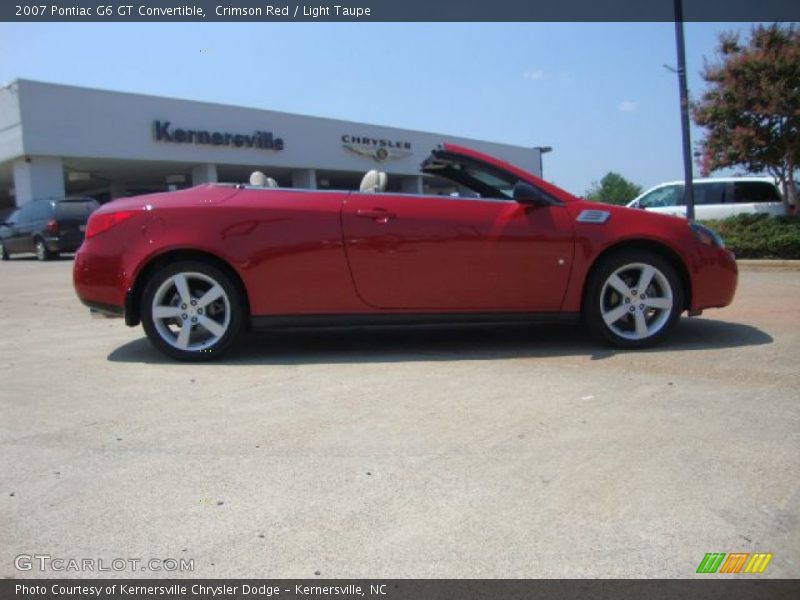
pixel 760 236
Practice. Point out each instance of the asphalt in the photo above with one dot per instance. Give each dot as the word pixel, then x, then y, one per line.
pixel 450 452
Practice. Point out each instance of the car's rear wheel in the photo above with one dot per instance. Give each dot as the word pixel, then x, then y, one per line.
pixel 3 252
pixel 192 311
pixel 633 299
pixel 42 252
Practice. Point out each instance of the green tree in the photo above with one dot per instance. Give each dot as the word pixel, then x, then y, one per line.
pixel 751 108
pixel 613 189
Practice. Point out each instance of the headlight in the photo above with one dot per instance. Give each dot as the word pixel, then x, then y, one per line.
pixel 707 236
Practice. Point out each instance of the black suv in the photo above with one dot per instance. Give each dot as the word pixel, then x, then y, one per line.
pixel 46 227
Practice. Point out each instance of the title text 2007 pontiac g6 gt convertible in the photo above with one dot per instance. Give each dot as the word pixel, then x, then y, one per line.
pixel 197 266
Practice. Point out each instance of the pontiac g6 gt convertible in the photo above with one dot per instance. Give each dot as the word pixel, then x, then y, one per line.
pixel 198 266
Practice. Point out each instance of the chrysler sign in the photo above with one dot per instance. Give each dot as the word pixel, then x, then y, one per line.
pixel 377 149
pixel 264 140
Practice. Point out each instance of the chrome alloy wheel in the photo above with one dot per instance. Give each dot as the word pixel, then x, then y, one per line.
pixel 191 311
pixel 636 301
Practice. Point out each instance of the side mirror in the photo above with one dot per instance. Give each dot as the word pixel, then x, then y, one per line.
pixel 525 193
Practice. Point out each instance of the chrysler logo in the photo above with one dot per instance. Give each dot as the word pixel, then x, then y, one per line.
pixel 377 149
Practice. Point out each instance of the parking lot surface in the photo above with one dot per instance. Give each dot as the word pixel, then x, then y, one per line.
pixel 449 452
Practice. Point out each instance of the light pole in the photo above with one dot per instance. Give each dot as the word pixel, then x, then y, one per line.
pixel 542 150
pixel 688 192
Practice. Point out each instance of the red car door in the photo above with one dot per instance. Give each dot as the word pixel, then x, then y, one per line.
pixel 439 252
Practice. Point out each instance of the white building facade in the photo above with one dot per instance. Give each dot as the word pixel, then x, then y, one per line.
pixel 58 140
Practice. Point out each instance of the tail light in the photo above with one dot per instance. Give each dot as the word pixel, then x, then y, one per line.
pixel 51 227
pixel 98 223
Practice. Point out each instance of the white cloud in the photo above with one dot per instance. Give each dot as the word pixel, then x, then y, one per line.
pixel 533 75
pixel 627 106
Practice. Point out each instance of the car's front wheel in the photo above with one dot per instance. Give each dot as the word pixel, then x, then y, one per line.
pixel 633 299
pixel 192 311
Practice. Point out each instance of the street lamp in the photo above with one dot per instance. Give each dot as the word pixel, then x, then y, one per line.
pixel 542 150
pixel 688 186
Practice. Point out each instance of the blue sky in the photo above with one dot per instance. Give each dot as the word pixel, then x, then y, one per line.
pixel 597 93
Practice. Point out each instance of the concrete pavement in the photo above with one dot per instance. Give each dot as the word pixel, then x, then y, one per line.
pixel 452 452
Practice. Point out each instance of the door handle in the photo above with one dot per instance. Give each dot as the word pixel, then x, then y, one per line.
pixel 378 214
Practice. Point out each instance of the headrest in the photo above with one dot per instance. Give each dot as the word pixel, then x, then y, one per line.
pixel 257 178
pixel 373 181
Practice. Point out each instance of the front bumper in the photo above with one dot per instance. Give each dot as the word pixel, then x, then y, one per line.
pixel 714 279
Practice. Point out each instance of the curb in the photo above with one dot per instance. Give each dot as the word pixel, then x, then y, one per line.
pixel 753 264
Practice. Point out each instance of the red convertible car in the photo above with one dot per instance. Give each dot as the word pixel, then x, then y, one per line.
pixel 198 266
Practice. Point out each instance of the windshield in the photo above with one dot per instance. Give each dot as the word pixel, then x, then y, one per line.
pixel 486 181
pixel 669 195
pixel 503 185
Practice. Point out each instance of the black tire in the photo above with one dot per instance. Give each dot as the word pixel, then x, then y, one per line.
pixel 645 316
pixel 201 344
pixel 41 249
pixel 4 255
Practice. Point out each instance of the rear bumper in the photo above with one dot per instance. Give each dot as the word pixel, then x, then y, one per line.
pixel 103 311
pixel 100 282
pixel 63 244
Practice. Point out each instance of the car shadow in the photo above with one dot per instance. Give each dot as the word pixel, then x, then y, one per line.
pixel 445 343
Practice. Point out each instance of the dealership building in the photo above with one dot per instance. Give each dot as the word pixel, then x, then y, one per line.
pixel 60 140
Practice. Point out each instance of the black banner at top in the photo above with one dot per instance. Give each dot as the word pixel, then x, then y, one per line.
pixel 394 10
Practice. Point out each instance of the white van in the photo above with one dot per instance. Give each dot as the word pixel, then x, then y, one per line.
pixel 715 198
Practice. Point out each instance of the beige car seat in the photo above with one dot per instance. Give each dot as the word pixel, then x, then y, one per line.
pixel 373 181
pixel 257 178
